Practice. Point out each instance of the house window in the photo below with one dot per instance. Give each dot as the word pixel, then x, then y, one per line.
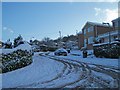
pixel 84 31
pixel 90 29
pixel 90 40
pixel 115 24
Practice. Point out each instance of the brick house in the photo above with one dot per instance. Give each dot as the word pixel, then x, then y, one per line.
pixel 116 26
pixel 112 35
pixel 90 33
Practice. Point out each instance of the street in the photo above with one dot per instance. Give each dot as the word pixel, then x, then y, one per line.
pixel 76 74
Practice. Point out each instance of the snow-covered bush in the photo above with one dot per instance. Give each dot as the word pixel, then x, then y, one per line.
pixel 18 41
pixel 15 60
pixel 7 44
pixel 107 50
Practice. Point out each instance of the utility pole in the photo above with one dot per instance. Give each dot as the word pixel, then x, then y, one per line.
pixel 60 34
pixel 76 32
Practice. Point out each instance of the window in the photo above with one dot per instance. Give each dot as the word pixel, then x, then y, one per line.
pixel 90 40
pixel 84 31
pixel 90 29
pixel 115 24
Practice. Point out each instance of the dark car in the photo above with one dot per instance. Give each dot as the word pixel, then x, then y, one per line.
pixel 60 52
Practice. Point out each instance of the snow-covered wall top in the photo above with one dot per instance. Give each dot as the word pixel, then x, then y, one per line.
pixel 24 46
pixel 105 43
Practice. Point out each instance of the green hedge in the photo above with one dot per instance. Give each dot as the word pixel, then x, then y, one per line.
pixel 15 60
pixel 107 50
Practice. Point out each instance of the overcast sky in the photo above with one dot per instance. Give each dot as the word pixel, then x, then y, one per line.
pixel 39 20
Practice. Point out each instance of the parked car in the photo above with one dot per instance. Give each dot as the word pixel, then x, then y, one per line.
pixel 61 51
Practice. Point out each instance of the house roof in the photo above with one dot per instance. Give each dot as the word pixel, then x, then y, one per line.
pixel 95 23
pixel 116 19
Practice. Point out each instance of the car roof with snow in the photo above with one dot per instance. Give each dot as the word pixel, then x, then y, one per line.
pixel 61 50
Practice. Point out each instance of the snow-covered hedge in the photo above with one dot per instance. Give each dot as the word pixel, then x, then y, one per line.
pixel 16 58
pixel 107 50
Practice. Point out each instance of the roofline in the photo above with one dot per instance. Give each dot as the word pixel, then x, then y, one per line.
pixel 115 19
pixel 94 24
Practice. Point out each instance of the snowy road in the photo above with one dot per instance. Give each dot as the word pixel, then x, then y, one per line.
pixel 87 75
pixel 63 73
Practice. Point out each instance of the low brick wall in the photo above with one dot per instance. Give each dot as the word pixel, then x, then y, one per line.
pixel 107 50
pixel 16 59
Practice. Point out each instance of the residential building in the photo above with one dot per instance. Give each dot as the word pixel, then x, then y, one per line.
pixel 113 35
pixel 116 26
pixel 91 31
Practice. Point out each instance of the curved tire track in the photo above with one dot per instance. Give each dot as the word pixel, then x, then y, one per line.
pixel 83 70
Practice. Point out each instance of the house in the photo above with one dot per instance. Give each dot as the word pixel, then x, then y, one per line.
pixel 116 26
pixel 90 33
pixel 113 35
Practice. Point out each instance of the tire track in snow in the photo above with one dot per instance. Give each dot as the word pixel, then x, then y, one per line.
pixel 86 76
pixel 95 78
pixel 83 74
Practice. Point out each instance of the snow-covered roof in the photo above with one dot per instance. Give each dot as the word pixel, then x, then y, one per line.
pixel 80 32
pixel 98 24
pixel 116 19
pixel 95 23
pixel 61 50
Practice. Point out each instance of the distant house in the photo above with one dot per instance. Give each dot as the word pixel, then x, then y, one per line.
pixel 90 33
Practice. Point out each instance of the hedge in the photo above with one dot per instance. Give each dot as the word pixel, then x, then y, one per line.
pixel 15 60
pixel 107 50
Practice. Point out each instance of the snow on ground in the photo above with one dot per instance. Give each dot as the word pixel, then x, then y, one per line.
pixel 41 69
pixel 51 73
pixel 77 55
